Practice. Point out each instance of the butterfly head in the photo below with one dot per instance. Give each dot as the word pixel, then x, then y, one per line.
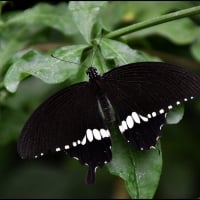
pixel 92 73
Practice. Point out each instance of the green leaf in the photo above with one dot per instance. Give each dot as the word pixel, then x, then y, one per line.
pixel 126 12
pixel 175 115
pixel 140 170
pixel 56 16
pixel 195 49
pixel 18 106
pixel 48 69
pixel 85 15
pixel 9 46
pixel 182 31
pixel 122 53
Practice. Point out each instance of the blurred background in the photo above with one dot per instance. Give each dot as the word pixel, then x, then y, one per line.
pixel 57 176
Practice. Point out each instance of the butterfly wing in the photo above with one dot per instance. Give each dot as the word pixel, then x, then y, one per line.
pixel 141 94
pixel 69 121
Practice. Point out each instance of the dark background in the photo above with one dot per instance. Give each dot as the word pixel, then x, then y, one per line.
pixel 57 176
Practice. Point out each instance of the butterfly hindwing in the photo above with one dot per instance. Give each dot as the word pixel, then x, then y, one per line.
pixel 68 121
pixel 144 135
pixel 142 93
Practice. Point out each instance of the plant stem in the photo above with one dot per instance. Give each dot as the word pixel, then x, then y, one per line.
pixel 155 21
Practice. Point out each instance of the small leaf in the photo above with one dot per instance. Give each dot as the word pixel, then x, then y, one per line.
pixel 56 16
pixel 85 14
pixel 48 69
pixel 122 53
pixel 175 115
pixel 140 170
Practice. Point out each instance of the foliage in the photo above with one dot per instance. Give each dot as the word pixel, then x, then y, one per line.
pixel 84 26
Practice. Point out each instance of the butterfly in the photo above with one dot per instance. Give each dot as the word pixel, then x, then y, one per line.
pixel 135 97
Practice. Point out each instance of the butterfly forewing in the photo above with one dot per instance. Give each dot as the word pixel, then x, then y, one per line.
pixel 151 86
pixel 66 121
pixel 141 94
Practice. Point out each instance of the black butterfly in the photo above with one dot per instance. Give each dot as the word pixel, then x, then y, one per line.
pixel 76 119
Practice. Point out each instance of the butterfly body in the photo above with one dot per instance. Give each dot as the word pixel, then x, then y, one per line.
pixel 96 83
pixel 136 97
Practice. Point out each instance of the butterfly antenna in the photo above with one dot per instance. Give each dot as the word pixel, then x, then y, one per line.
pixel 64 60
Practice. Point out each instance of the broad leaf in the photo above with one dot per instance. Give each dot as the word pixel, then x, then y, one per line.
pixel 139 170
pixel 50 70
pixel 85 15
pixel 56 16
pixel 122 53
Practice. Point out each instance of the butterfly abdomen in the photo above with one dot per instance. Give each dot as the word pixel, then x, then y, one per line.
pixel 106 109
pixel 104 105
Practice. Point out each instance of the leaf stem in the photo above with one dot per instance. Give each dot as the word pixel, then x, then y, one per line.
pixel 155 21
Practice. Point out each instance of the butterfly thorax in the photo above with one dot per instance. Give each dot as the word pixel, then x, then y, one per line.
pixel 105 107
pixel 92 73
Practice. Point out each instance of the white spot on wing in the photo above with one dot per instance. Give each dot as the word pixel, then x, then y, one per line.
pixel 191 97
pixel 121 128
pixel 58 149
pixel 178 102
pixel 66 147
pixel 161 111
pixel 74 144
pixel 124 125
pixel 185 99
pixel 170 107
pixel 108 133
pixel 152 147
pixel 141 148
pixel 96 134
pixel 136 117
pixel 149 116
pixel 103 133
pixel 83 142
pixel 153 114
pixel 78 142
pixel 145 119
pixel 35 156
pixel 129 121
pixel 41 154
pixel 89 135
